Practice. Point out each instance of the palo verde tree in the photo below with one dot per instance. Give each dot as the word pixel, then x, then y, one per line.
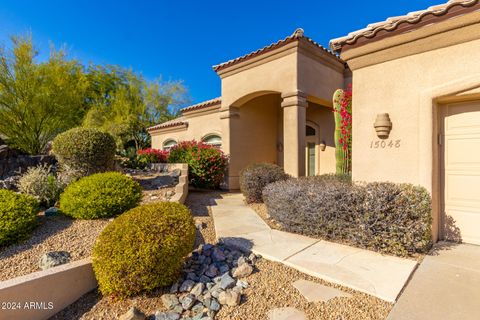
pixel 38 100
pixel 124 104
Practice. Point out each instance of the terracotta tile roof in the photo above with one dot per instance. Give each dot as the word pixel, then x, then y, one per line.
pixel 203 104
pixel 451 8
pixel 296 36
pixel 172 123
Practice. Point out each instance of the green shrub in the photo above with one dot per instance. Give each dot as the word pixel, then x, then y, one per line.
pixel 206 163
pixel 84 150
pixel 18 216
pixel 100 195
pixel 40 183
pixel 143 249
pixel 256 176
pixel 386 217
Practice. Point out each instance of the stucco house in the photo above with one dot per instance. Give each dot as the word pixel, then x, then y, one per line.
pixel 422 69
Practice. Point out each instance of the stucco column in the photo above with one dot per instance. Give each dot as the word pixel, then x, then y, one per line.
pixel 229 118
pixel 294 106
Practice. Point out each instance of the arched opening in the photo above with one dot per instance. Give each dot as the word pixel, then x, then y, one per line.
pixel 169 144
pixel 213 140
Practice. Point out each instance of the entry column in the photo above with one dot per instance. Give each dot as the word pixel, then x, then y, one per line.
pixel 294 106
pixel 229 119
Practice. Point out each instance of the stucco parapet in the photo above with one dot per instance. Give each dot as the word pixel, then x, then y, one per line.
pixel 294 98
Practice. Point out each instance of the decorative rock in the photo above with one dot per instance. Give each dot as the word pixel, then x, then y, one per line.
pixel 218 255
pixel 200 225
pixel 204 279
pixel 243 270
pixel 53 259
pixel 241 283
pixel 241 260
pixel 238 289
pixel 187 285
pixel 212 271
pixel 214 305
pixel 229 298
pixel 174 288
pixel 224 269
pixel 170 301
pixel 50 212
pixel 132 314
pixel 198 308
pixel 197 289
pixel 188 301
pixel 170 315
pixel 227 282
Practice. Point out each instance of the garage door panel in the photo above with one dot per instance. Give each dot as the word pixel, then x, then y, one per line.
pixel 462 171
pixel 467 221
pixel 463 188
pixel 457 147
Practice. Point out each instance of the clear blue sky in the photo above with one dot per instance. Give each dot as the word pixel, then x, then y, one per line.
pixel 181 40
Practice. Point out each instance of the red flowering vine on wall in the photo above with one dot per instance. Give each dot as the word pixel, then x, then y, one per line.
pixel 343 107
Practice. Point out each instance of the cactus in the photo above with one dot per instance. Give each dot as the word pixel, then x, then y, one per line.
pixel 339 153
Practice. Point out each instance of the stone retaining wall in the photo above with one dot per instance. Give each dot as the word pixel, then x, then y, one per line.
pixel 181 189
pixel 15 165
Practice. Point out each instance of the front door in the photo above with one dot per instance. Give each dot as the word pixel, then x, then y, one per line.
pixel 461 176
pixel 311 156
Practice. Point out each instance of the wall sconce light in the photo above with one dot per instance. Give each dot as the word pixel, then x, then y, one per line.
pixel 383 125
pixel 322 146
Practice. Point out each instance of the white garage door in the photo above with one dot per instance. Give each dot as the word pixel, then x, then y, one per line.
pixel 462 171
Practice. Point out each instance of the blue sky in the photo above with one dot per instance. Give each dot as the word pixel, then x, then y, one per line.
pixel 182 40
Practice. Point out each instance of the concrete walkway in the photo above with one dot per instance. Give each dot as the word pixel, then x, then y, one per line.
pixel 446 286
pixel 379 275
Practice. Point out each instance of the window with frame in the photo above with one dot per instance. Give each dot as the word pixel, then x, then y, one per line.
pixel 213 140
pixel 169 144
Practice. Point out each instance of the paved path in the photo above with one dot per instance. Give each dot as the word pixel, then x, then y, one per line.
pixel 446 286
pixel 363 270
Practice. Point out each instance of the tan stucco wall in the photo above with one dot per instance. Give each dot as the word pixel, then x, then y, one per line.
pixel 199 125
pixel 407 89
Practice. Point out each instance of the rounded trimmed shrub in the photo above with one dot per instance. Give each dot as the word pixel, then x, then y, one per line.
pixel 85 150
pixel 18 216
pixel 143 249
pixel 256 176
pixel 100 195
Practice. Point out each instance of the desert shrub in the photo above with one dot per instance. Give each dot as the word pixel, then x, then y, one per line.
pixel 256 176
pixel 386 217
pixel 149 155
pixel 40 183
pixel 100 195
pixel 206 163
pixel 18 216
pixel 84 151
pixel 143 249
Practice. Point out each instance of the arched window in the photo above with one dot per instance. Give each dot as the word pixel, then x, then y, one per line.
pixel 310 131
pixel 169 144
pixel 213 140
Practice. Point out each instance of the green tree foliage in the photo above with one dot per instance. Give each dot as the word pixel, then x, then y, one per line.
pixel 38 100
pixel 124 104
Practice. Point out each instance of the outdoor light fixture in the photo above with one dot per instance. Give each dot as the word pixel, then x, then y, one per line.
pixel 322 146
pixel 383 125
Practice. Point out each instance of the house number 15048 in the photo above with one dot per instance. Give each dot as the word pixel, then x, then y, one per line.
pixel 385 144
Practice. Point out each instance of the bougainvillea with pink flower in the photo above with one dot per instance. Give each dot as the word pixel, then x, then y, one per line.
pixel 342 101
pixel 206 163
pixel 150 155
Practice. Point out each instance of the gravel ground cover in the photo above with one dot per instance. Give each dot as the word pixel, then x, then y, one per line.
pixel 57 233
pixel 270 286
